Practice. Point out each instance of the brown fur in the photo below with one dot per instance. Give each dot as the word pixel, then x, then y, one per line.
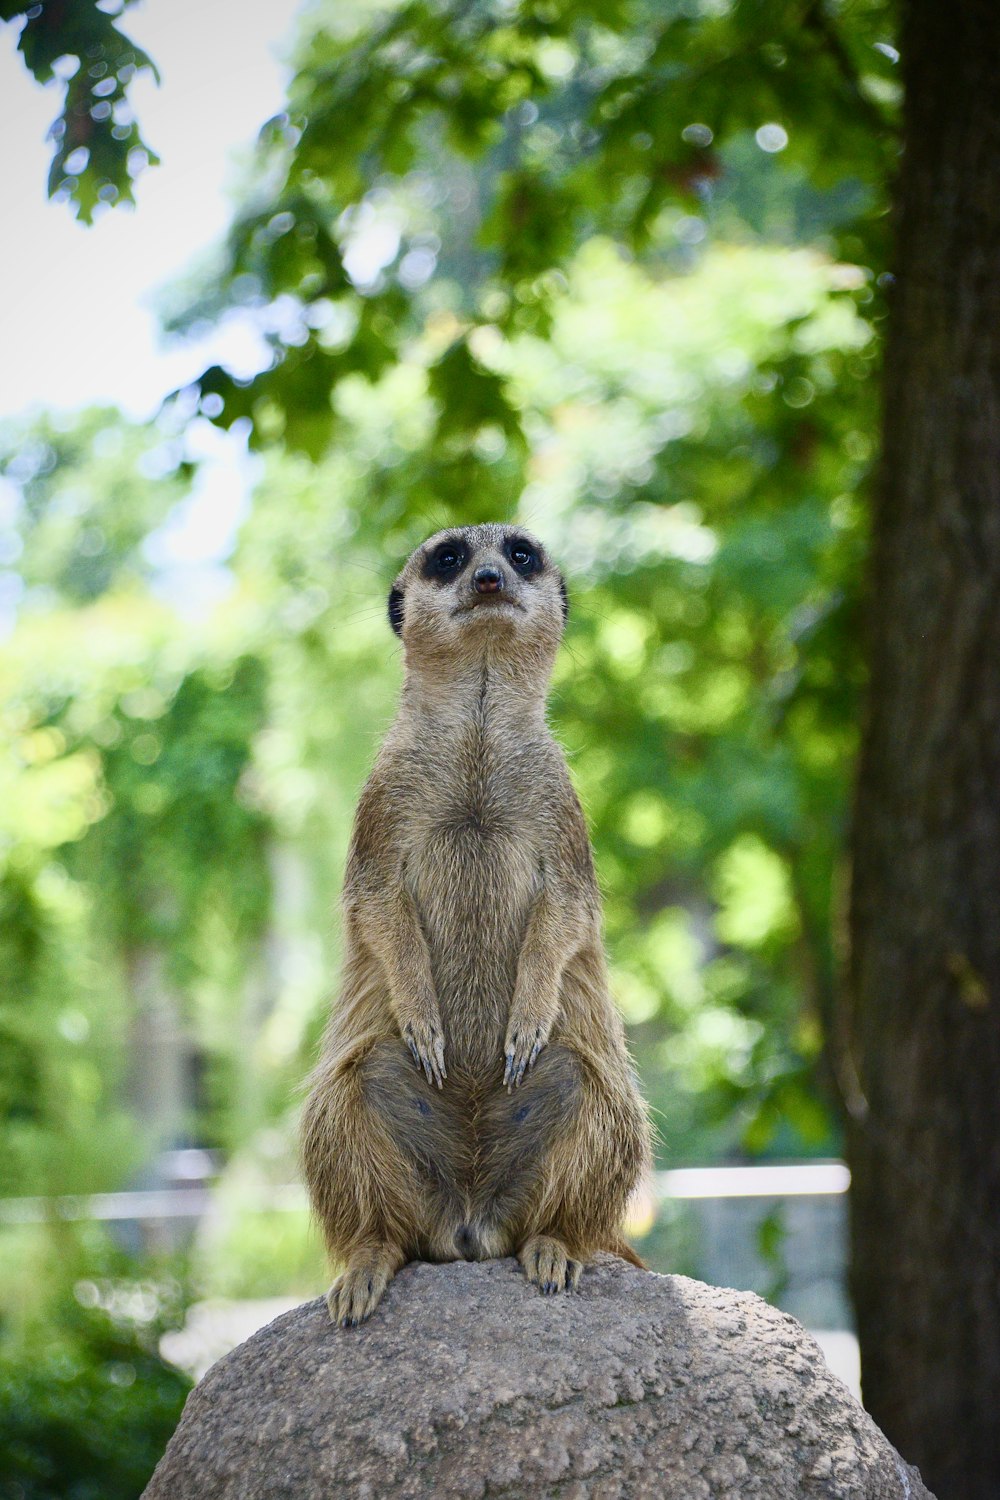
pixel 473 942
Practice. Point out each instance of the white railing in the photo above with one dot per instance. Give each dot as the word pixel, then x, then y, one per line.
pixel 785 1180
pixel 816 1179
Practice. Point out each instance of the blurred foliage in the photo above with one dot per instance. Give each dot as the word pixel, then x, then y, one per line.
pixel 98 148
pixel 86 1402
pixel 456 157
pixel 184 785
pixel 613 271
pixel 86 503
pixel 616 271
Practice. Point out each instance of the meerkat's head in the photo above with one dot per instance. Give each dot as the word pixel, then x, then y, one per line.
pixel 477 590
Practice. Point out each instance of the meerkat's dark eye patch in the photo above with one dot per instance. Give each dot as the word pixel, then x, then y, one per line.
pixel 524 557
pixel 445 562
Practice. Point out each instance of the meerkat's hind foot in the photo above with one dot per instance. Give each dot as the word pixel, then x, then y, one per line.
pixel 359 1288
pixel 547 1264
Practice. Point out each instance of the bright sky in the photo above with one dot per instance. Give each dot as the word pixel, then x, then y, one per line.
pixel 76 321
pixel 76 303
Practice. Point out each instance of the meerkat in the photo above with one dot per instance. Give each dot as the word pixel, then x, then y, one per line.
pixel 474 1096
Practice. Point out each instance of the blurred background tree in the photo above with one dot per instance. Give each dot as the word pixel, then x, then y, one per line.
pixel 620 270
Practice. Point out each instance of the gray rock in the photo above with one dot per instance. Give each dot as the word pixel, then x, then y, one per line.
pixel 467 1382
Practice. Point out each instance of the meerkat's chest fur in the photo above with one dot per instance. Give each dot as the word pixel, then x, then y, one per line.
pixel 472 861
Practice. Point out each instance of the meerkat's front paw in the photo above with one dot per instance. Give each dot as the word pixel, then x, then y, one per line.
pixel 546 1263
pixel 359 1288
pixel 425 1040
pixel 522 1046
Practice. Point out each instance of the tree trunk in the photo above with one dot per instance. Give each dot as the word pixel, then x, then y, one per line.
pixel 158 1077
pixel 925 912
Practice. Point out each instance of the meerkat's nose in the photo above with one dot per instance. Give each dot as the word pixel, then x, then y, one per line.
pixel 487 580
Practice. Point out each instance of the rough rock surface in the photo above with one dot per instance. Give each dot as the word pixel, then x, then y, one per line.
pixel 467 1382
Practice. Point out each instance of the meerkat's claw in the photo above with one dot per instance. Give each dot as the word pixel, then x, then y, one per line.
pixel 358 1290
pixel 520 1051
pixel 546 1263
pixel 426 1044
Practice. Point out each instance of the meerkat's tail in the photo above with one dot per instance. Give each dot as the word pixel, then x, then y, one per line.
pixel 623 1249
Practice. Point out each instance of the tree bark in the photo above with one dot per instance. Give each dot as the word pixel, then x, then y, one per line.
pixel 925 909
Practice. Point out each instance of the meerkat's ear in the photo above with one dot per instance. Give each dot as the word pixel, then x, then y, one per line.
pixel 564 597
pixel 396 609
